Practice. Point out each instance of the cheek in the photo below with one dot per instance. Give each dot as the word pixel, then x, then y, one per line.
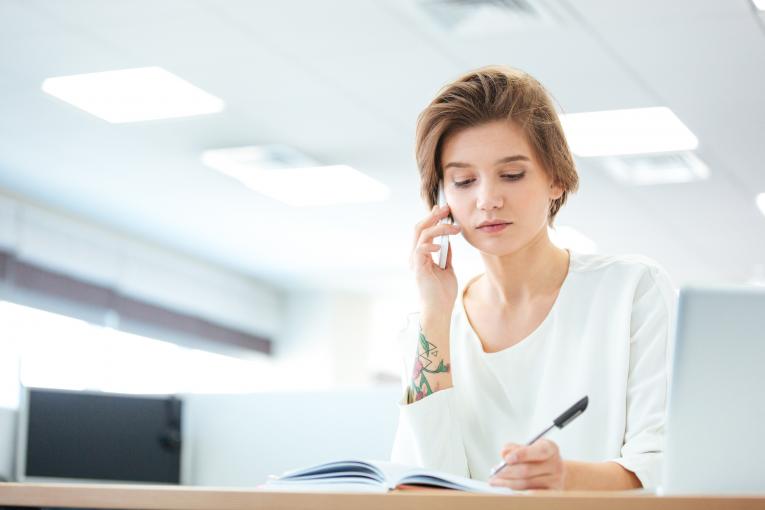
pixel 531 200
pixel 460 209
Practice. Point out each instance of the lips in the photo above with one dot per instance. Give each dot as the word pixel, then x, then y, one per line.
pixel 486 224
pixel 494 227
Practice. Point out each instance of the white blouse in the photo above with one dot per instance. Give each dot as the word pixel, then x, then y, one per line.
pixel 607 336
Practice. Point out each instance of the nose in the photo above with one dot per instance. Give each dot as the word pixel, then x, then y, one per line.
pixel 488 198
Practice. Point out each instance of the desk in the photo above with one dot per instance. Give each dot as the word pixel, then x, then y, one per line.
pixel 144 497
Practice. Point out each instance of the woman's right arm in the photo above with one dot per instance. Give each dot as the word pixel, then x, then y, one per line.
pixel 428 432
pixel 438 290
pixel 432 365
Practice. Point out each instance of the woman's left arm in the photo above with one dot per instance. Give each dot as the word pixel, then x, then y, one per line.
pixel 598 476
pixel 540 466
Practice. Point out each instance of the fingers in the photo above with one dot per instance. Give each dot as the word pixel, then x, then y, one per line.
pixel 436 214
pixel 526 470
pixel 427 248
pixel 425 233
pixel 537 482
pixel 539 451
pixel 431 233
pixel 508 448
pixel 425 245
pixel 536 466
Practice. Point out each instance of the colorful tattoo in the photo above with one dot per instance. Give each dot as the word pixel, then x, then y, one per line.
pixel 427 354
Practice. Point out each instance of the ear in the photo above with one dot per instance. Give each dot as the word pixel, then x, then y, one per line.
pixel 556 191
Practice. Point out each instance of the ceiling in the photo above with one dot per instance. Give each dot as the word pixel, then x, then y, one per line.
pixel 343 81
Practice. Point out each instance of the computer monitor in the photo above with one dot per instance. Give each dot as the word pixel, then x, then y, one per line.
pixel 98 437
pixel 716 407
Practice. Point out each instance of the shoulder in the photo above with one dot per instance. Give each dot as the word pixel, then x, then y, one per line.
pixel 595 262
pixel 621 267
pixel 640 280
pixel 634 279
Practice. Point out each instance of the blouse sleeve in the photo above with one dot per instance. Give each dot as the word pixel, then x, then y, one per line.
pixel 428 433
pixel 653 311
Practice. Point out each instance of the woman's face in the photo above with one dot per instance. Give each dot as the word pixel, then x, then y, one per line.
pixel 491 175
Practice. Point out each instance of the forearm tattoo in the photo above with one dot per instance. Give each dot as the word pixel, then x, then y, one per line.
pixel 427 355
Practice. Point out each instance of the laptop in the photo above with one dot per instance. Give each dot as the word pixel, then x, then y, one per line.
pixel 715 436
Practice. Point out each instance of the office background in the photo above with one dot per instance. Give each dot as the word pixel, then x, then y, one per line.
pixel 129 264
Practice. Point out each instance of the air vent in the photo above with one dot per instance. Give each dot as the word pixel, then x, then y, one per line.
pixel 661 168
pixel 480 18
pixel 259 157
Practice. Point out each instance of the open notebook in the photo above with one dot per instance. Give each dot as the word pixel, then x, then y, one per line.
pixel 373 476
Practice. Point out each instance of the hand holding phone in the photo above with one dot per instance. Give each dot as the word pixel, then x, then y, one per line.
pixel 436 280
pixel 443 240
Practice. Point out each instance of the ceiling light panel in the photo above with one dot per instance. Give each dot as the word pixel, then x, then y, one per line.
pixel 133 95
pixel 632 131
pixel 285 174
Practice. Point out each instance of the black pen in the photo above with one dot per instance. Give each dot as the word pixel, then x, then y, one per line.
pixel 560 422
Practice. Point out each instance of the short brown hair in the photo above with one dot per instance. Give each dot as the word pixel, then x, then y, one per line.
pixel 485 95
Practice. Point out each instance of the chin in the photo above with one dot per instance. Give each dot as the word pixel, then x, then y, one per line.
pixel 496 247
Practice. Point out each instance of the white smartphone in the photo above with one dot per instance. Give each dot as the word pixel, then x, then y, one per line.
pixel 443 240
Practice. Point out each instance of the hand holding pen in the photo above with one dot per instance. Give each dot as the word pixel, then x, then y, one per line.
pixel 537 464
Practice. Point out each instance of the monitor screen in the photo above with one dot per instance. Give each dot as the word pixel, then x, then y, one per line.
pixel 92 436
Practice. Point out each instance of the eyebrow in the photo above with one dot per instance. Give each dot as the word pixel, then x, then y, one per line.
pixel 506 159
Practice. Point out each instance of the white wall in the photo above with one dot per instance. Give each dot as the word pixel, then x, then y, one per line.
pixel 326 340
pixel 238 440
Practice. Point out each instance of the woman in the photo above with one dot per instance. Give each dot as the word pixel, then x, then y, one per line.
pixel 542 326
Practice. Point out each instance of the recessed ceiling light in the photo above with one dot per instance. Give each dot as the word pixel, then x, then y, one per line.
pixel 662 168
pixel 285 174
pixel 634 131
pixel 761 202
pixel 568 237
pixel 760 4
pixel 132 95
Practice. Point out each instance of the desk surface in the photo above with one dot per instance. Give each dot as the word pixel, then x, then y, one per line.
pixel 144 497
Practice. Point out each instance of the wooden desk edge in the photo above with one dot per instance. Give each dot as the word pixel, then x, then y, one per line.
pixel 152 497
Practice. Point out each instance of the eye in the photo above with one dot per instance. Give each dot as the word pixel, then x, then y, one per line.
pixel 508 177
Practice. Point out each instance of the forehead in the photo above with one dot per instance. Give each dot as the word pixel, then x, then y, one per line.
pixel 485 143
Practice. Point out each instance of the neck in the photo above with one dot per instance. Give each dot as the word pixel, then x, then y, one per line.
pixel 535 271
